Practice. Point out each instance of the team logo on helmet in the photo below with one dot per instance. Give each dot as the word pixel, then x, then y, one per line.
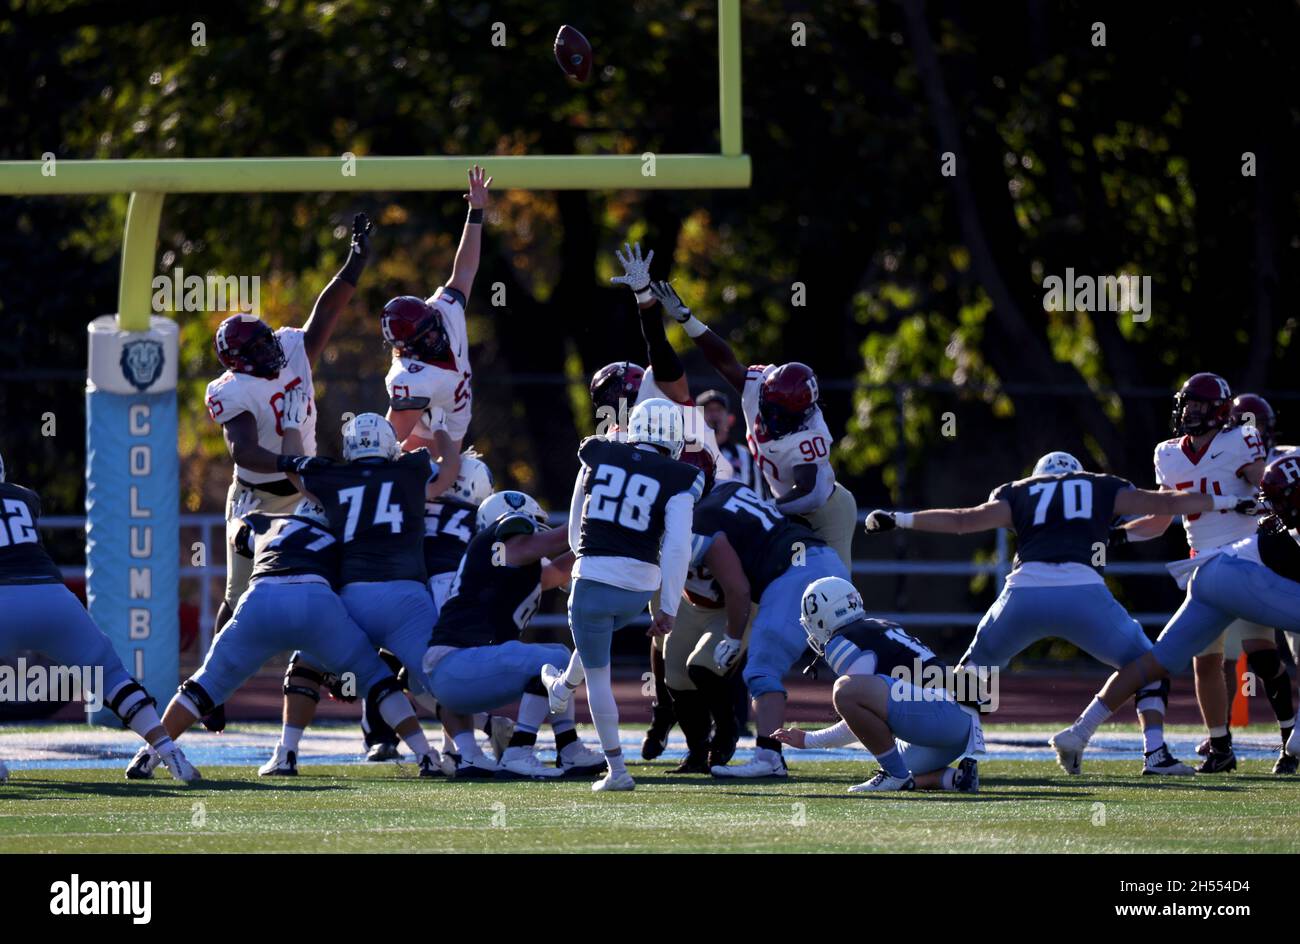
pixel 1057 463
pixel 142 362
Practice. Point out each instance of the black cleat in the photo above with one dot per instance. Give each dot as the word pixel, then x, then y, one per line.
pixel 968 776
pixel 215 720
pixel 381 752
pixel 1207 745
pixel 1218 763
pixel 1286 764
pixel 654 744
pixel 693 764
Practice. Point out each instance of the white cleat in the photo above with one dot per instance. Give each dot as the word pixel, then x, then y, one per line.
pixel 4 772
pixel 478 767
pixel 611 782
pixel 503 729
pixel 1069 751
pixel 434 764
pixel 884 782
pixel 1292 745
pixel 143 764
pixel 179 766
pixel 772 765
pixel 283 763
pixel 578 760
pixel 522 762
pixel 557 693
pixel 1160 763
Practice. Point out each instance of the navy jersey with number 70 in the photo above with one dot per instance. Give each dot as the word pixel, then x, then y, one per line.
pixel 376 510
pixel 1061 519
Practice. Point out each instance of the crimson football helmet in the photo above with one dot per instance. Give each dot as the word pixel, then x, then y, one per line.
pixel 620 380
pixel 247 345
pixel 787 398
pixel 1250 409
pixel 1280 487
pixel 1214 397
pixel 414 328
pixel 695 454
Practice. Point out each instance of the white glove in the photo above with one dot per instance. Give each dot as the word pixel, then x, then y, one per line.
pixel 726 653
pixel 293 411
pixel 672 302
pixel 636 271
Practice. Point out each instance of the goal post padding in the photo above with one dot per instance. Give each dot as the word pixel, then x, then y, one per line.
pixel 133 499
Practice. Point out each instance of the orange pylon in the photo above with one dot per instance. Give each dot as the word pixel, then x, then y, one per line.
pixel 1240 703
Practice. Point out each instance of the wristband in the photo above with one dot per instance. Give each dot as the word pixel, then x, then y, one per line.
pixel 475 215
pixel 694 327
pixel 903 519
pixel 1225 502
pixel 643 295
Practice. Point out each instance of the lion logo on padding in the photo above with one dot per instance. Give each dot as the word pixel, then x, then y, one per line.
pixel 142 362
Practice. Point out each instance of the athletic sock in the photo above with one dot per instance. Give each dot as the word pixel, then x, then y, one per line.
pixel 291 736
pixel 467 745
pixel 164 744
pixel 1220 739
pixel 1268 668
pixel 692 711
pixel 1087 723
pixel 617 766
pixel 1152 737
pixel 574 672
pixel 949 779
pixel 566 737
pixel 764 743
pixel 892 762
pixel 604 709
pixel 533 710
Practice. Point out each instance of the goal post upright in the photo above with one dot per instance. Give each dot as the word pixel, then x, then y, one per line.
pixel 132 465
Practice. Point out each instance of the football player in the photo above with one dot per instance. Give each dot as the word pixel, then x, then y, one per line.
pixel 786 431
pixel 248 403
pixel 665 378
pixel 1209 454
pixel 291 605
pixel 42 614
pixel 430 400
pixel 476 660
pixel 759 556
pixel 630 528
pixel 448 526
pixel 375 505
pixel 1061 516
pixel 914 731
pixel 1256 578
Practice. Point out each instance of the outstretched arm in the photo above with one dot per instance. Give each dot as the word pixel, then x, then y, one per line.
pixel 669 374
pixel 1138 501
pixel 716 351
pixel 985 517
pixel 465 267
pixel 336 295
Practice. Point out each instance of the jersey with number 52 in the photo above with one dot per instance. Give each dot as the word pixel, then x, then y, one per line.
pixel 777 458
pixel 376 510
pixel 1060 519
pixel 23 560
pixel 767 543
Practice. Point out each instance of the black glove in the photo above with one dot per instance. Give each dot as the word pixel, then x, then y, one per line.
pixel 301 464
pixel 359 252
pixel 1118 538
pixel 879 521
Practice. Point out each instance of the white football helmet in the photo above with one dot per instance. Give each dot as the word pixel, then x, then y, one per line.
pixel 369 436
pixel 828 604
pixel 508 502
pixel 310 510
pixel 474 482
pixel 1057 463
pixel 658 422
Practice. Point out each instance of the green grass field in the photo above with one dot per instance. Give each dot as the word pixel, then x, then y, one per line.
pixel 1023 806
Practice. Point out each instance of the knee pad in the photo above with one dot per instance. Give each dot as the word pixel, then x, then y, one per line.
pixel 197 696
pixel 382 689
pixel 295 670
pixel 535 687
pixel 129 700
pixel 1153 697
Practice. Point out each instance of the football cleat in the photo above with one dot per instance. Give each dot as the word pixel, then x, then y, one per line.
pixel 522 763
pixel 1292 745
pixel 1069 750
pixel 479 767
pixel 1217 762
pixel 612 782
pixel 693 764
pixel 215 720
pixel 4 772
pixel 1286 764
pixel 968 776
pixel 383 751
pixel 759 767
pixel 655 743
pixel 283 763
pixel 143 764
pixel 435 765
pixel 500 730
pixel 1204 747
pixel 557 693
pixel 884 782
pixel 578 760
pixel 179 766
pixel 1160 763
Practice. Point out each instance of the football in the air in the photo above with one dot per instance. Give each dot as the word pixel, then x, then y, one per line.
pixel 573 53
